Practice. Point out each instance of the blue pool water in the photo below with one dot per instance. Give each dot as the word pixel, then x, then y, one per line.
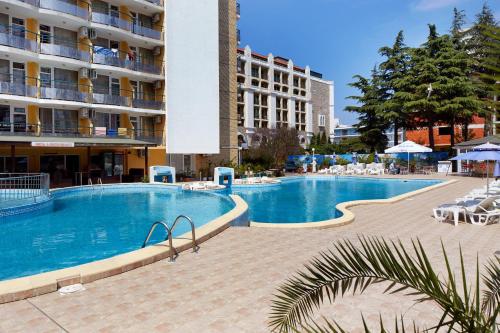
pixel 314 198
pixel 85 226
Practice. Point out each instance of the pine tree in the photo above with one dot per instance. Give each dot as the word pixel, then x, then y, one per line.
pixel 393 69
pixel 457 28
pixel 323 139
pixel 371 124
pixel 478 45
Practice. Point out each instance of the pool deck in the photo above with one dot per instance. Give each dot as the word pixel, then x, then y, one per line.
pixel 228 285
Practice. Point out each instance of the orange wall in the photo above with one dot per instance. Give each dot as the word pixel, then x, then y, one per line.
pixel 421 136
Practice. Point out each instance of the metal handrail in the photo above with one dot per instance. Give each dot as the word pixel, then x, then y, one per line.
pixel 17 187
pixel 169 235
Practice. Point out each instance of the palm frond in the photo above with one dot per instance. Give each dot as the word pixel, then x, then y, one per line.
pixel 353 268
pixel 491 295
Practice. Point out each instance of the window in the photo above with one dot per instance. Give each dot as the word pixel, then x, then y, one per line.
pixel 45 77
pixel 300 115
pixel 21 164
pixel 281 112
pixel 444 131
pixel 322 120
pixel 4 118
pixel 260 111
pixel 19 120
pixel 66 121
pixel 18 27
pixel 44 33
pixel 18 73
pixel 115 87
pixel 46 119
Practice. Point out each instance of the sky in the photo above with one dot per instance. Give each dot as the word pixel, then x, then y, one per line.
pixel 341 38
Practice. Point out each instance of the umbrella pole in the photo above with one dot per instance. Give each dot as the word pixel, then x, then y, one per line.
pixel 487 178
pixel 408 162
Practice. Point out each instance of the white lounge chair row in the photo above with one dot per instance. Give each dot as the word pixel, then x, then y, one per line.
pixel 479 207
pixel 355 169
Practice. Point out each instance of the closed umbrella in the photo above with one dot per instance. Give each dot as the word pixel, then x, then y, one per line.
pixel 485 152
pixel 408 147
pixel 354 159
pixel 375 158
pixel 334 158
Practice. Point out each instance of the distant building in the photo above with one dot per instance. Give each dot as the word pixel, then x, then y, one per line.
pixel 442 137
pixel 344 132
pixel 274 93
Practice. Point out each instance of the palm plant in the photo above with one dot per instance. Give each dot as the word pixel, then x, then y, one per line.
pixel 353 268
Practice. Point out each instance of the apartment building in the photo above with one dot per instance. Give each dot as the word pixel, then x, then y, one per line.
pixel 343 132
pixel 273 92
pixel 83 85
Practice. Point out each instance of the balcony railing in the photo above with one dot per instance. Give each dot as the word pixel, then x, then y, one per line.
pixel 31 2
pixel 14 36
pixel 156 2
pixel 113 20
pixel 121 59
pixel 36 130
pixel 148 104
pixel 18 86
pixel 105 98
pixel 66 51
pixel 65 94
pixel 146 32
pixel 65 7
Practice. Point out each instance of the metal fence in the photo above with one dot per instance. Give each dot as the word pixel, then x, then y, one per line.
pixel 19 188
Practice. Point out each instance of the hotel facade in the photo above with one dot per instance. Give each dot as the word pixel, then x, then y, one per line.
pixel 84 85
pixel 273 92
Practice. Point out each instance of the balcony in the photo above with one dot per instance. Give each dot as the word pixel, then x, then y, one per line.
pixel 147 104
pixel 156 2
pixel 100 96
pixel 146 32
pixel 121 59
pixel 31 2
pixel 75 131
pixel 65 7
pixel 17 86
pixel 65 91
pixel 16 37
pixel 65 50
pixel 112 19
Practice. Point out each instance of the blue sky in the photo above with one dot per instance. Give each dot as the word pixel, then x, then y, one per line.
pixel 340 38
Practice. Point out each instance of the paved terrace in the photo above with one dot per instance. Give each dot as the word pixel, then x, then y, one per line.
pixel 228 285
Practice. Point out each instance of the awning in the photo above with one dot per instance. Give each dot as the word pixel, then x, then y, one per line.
pixel 495 139
pixel 78 142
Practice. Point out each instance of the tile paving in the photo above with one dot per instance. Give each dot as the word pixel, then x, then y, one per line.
pixel 228 285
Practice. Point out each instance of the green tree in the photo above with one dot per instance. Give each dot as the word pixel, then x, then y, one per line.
pixel 479 46
pixel 457 28
pixel 394 68
pixel 323 139
pixel 354 267
pixel 371 123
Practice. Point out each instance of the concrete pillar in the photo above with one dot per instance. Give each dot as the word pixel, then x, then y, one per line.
pixel 124 50
pixel 125 14
pixel 249 115
pixel 126 89
pixel 32 29
pixel 271 101
pixel 309 117
pixel 291 113
pixel 33 119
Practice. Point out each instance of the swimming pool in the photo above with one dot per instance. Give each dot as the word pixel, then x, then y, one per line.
pixel 84 225
pixel 313 199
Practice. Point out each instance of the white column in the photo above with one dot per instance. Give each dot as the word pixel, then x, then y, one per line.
pixel 309 118
pixel 291 113
pixel 248 109
pixel 271 101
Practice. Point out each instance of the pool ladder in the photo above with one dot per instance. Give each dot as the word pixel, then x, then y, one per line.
pixel 99 182
pixel 170 230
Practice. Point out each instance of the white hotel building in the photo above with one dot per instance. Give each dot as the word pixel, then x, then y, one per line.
pixel 274 93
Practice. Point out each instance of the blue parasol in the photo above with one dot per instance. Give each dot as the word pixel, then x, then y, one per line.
pixel 485 152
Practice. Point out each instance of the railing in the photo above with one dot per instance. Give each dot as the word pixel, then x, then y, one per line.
pixel 156 2
pixel 170 230
pixel 18 188
pixel 146 32
pixel 148 104
pixel 31 2
pixel 113 20
pixel 65 7
pixel 103 97
pixel 122 59
pixel 15 36
pixel 66 51
pixel 65 94
pixel 75 131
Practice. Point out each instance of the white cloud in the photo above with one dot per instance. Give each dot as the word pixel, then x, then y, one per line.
pixel 425 5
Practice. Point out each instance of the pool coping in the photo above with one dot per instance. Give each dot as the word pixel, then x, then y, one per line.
pixel 347 215
pixel 47 282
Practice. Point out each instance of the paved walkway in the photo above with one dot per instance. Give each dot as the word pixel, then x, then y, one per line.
pixel 228 285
